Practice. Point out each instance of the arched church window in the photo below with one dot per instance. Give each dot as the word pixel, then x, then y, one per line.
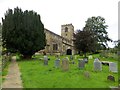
pixel 66 29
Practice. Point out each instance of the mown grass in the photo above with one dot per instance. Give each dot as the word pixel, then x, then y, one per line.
pixel 36 75
pixel 5 71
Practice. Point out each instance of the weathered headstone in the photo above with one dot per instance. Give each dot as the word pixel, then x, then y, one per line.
pixel 86 60
pixel 87 74
pixel 97 65
pixel 71 57
pixel 13 58
pixel 57 63
pixel 113 67
pixel 90 57
pixel 111 78
pixel 45 60
pixel 65 64
pixel 81 64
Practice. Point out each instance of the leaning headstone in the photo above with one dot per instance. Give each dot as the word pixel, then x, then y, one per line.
pixel 57 63
pixel 113 67
pixel 97 65
pixel 81 64
pixel 45 60
pixel 111 78
pixel 65 64
pixel 90 57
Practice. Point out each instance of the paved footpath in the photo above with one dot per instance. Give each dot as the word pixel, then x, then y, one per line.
pixel 13 79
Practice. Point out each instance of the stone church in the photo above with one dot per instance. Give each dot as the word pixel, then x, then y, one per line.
pixel 60 45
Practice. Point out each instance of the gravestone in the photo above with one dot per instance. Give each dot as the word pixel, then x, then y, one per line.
pixel 65 64
pixel 97 65
pixel 72 60
pixel 87 74
pixel 111 78
pixel 86 60
pixel 71 57
pixel 13 58
pixel 45 60
pixel 57 63
pixel 90 57
pixel 81 64
pixel 113 67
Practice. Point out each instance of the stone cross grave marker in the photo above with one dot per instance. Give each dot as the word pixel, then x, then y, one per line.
pixel 81 64
pixel 45 60
pixel 113 67
pixel 65 64
pixel 57 63
pixel 97 65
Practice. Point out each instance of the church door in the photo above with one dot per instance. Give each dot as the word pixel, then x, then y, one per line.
pixel 69 52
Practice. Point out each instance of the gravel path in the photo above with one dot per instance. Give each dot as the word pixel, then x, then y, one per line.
pixel 13 79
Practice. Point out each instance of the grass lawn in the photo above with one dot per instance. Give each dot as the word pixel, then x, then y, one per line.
pixel 36 75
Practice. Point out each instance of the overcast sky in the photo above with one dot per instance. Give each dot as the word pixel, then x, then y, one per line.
pixel 55 13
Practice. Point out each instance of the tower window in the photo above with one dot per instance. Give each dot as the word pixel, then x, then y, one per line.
pixel 66 29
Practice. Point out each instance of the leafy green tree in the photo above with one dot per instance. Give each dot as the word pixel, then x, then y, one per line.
pixel 0 33
pixel 23 32
pixel 84 41
pixel 96 25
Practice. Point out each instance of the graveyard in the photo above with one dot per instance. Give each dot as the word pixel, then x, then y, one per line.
pixel 38 73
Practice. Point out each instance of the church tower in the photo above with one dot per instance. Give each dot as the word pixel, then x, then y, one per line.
pixel 67 31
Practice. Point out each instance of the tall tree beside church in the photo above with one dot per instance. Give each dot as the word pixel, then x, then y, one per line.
pixel 0 33
pixel 97 26
pixel 23 32
pixel 84 41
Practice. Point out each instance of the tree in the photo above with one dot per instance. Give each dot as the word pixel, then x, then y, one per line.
pixel 23 32
pixel 0 33
pixel 84 41
pixel 96 25
pixel 117 45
